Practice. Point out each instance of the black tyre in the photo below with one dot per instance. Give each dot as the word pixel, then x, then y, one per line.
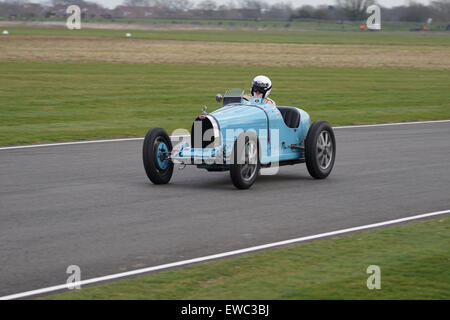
pixel 155 153
pixel 245 161
pixel 320 150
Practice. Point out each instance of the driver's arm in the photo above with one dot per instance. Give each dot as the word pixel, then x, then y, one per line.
pixel 270 101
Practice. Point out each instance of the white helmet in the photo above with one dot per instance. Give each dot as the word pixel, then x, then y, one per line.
pixel 262 84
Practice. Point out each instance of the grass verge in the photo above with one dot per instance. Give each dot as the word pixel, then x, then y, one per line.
pixel 45 102
pixel 147 51
pixel 414 261
pixel 248 36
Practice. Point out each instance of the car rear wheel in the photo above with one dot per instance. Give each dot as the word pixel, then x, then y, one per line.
pixel 245 167
pixel 320 150
pixel 155 153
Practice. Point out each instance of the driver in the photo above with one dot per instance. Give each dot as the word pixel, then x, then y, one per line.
pixel 261 87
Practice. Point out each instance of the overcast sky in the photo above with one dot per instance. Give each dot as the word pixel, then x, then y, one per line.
pixel 295 3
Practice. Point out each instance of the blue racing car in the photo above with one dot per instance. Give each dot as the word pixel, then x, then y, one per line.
pixel 244 136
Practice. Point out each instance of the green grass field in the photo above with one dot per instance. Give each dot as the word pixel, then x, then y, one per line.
pixel 252 36
pixel 47 102
pixel 414 262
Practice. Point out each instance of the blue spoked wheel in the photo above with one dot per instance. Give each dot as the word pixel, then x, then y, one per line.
pixel 156 156
pixel 162 152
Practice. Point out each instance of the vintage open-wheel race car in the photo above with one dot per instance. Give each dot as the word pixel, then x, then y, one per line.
pixel 243 137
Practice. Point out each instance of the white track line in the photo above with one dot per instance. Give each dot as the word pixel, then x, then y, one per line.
pixel 68 143
pixel 77 142
pixel 141 138
pixel 390 124
pixel 217 256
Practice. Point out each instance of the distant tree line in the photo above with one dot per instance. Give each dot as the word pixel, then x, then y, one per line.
pixel 338 10
pixel 355 10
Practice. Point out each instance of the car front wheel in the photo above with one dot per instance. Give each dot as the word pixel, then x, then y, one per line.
pixel 155 153
pixel 245 165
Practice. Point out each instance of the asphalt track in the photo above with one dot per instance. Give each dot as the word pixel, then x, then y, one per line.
pixel 92 205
